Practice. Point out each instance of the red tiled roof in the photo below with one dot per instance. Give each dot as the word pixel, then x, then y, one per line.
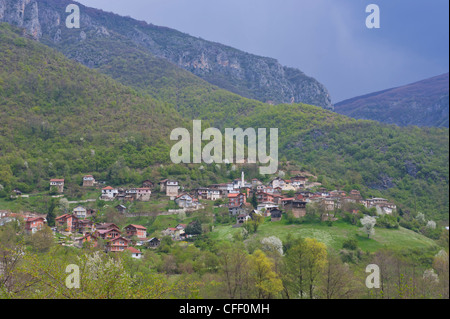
pixel 56 180
pixel 134 250
pixel 137 226
pixel 108 187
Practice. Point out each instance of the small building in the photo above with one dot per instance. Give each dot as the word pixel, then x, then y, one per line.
pixel 34 224
pixel 135 253
pixel 80 212
pixel 277 183
pixel 153 242
pixel 143 194
pixel 86 226
pixel 298 208
pixel 67 222
pixel 275 215
pixel 117 244
pixel 88 181
pixel 108 233
pixel 185 201
pixel 121 209
pixel 58 184
pixel 109 193
pixel 243 218
pixel 236 199
pixel 87 238
pixel 172 188
pixel 136 231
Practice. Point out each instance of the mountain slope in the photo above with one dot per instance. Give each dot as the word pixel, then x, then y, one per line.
pixel 61 119
pixel 424 103
pixel 248 75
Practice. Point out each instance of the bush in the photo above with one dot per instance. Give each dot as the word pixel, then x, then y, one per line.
pixel 351 244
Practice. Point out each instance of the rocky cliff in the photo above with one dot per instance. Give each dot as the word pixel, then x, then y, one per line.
pixel 248 75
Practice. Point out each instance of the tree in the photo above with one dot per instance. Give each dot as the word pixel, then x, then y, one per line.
pixel 315 261
pixel 194 228
pixel 234 270
pixel 42 240
pixel 51 213
pixel 262 272
pixel 337 281
pixel 254 201
pixel 368 224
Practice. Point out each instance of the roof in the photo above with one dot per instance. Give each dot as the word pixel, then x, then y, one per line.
pixel 108 187
pixel 32 219
pixel 56 180
pixel 88 176
pixel 134 250
pixel 137 226
pixel 233 195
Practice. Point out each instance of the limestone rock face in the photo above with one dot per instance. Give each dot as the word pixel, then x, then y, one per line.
pixel 23 13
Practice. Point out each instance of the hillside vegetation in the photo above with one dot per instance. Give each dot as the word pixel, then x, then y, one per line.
pixel 59 118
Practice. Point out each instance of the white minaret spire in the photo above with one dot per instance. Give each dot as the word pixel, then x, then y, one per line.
pixel 242 179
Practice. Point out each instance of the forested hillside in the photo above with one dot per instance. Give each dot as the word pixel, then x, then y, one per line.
pixel 60 118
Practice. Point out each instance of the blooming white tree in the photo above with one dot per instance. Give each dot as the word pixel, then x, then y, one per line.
pixel 431 224
pixel 368 223
pixel 421 218
pixel 272 243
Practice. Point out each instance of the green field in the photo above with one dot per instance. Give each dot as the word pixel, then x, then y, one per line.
pixel 335 235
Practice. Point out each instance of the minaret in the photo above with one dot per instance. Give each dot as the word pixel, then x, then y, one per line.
pixel 242 179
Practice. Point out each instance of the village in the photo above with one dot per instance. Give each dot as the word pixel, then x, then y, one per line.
pixel 244 201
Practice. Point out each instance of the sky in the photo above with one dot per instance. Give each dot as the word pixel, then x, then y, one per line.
pixel 326 39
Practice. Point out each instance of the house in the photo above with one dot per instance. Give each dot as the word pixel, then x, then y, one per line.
pixel 121 209
pixel 153 242
pixel 214 194
pixel 277 183
pixel 88 181
pixel 266 206
pixel 85 226
pixel 237 210
pixel 80 212
pixel 135 253
pixel 298 208
pixel 147 184
pixel 67 222
pixel 263 197
pixel 58 184
pixel 109 193
pixel 117 244
pixel 105 226
pixel 108 233
pixel 175 233
pixel 237 199
pixel 143 194
pixel 243 218
pixel 130 195
pixel 373 202
pixel 34 224
pixel 202 193
pixel 87 238
pixel 275 215
pixel 185 201
pixel 136 231
pixel 299 181
pixel 172 188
